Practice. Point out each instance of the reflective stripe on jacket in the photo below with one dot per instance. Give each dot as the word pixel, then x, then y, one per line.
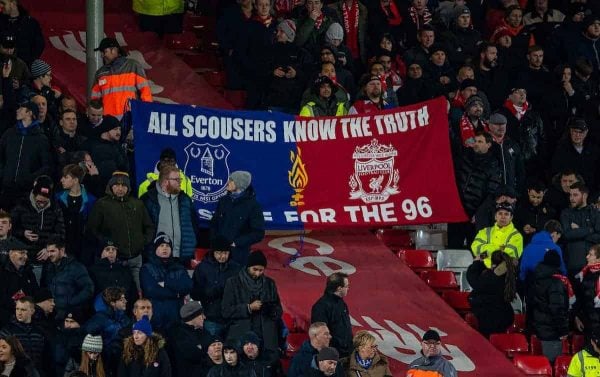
pixel 494 238
pixel 308 110
pixel 157 7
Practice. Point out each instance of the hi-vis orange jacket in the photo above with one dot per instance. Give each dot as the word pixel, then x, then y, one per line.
pixel 119 81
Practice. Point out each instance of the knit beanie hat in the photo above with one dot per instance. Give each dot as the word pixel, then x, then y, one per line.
pixel 191 310
pixel 467 83
pixel 242 179
pixel 250 337
pixel 39 68
pixel 92 343
pixel 551 258
pixel 289 28
pixel 162 238
pixel 328 353
pixel 42 188
pixel 335 31
pixel 107 124
pixel 256 258
pixel 76 315
pixel 472 101
pixel 119 177
pixel 143 325
pixel 207 340
pixel 42 295
pixel 220 243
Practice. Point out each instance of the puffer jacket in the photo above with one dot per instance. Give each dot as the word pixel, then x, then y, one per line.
pixel 69 282
pixel 478 176
pixel 510 158
pixel 168 299
pixel 380 367
pixel 31 337
pixel 579 240
pixel 107 322
pixel 550 304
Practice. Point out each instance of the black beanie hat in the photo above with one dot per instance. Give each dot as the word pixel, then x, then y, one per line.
pixel 551 258
pixel 256 258
pixel 220 243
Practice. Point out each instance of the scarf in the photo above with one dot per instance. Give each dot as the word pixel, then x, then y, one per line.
pixel 253 286
pixel 351 17
pixel 394 18
pixel 516 111
pixel 593 268
pixel 467 129
pixel 319 21
pixel 266 21
pixel 568 287
pixel 458 101
pixel 420 20
pixel 365 364
pixel 284 7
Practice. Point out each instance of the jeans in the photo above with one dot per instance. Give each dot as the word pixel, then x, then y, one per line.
pixel 551 349
pixel 134 265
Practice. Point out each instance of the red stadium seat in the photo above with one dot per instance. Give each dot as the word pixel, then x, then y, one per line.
pixel 472 320
pixel 510 344
pixel 200 253
pixel 440 281
pixel 290 322
pixel 216 79
pixel 533 365
pixel 518 324
pixel 395 238
pixel 459 301
pixel 236 97
pixel 185 41
pixel 561 365
pixel 577 343
pixel 295 341
pixel 417 260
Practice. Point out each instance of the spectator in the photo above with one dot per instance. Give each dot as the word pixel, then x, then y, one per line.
pixel 107 150
pixel 173 212
pixel 109 320
pixel 108 271
pixel 209 283
pixel 334 38
pixel 512 24
pixel 491 78
pixel 544 240
pixel 586 359
pixel 531 215
pixel 18 75
pixel 29 335
pixel 119 79
pixel 34 160
pixel 581 228
pixel 587 315
pixel 238 216
pixel 124 220
pixel 318 338
pixel 167 157
pixel 502 236
pixel 542 14
pixel 16 20
pixel 165 282
pixel 214 350
pixel 44 316
pixel 551 299
pixel 47 116
pixel 420 53
pixel 6 239
pixel 392 74
pixel 534 78
pixel 160 18
pixel 261 362
pixel 419 16
pixel 14 361
pixel 370 97
pixel 323 101
pixel 312 27
pixel 76 204
pixel 186 340
pixel 417 87
pixel 65 139
pixel 232 366
pixel 16 280
pixel 91 180
pixel 586 42
pixel 355 15
pixel 36 220
pixel 90 361
pixel 508 153
pixel 93 118
pixel 557 195
pixel 67 279
pixel 251 303
pixel 67 343
pixel 471 118
pixel 365 359
pixel 333 311
pixel 462 39
pixel 144 353
pixel 377 68
pixel 493 291
pixel 432 360
pixel 438 68
pixel 342 79
pixel 325 364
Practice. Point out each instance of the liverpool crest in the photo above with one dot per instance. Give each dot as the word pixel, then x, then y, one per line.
pixel 374 178
pixel 207 167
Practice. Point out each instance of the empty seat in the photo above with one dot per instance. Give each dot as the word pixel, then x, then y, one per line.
pixel 510 344
pixel 472 320
pixel 536 346
pixel 290 322
pixel 561 365
pixel 216 79
pixel 454 260
pixel 395 238
pixel 459 301
pixel 199 253
pixel 440 281
pixel 201 61
pixel 417 260
pixel 236 97
pixel 518 324
pixel 532 365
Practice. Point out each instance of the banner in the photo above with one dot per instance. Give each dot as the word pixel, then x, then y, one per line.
pixel 389 168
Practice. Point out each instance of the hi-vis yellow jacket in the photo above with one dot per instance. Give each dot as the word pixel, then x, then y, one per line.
pixel 493 238
pixel 157 7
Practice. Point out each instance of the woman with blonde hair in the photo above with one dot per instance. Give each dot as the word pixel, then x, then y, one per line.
pixel 144 354
pixel 365 359
pixel 91 359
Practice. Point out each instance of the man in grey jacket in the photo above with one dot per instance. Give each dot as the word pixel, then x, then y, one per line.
pixel 432 359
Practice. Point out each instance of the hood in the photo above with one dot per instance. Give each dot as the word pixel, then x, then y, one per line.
pixel 35 207
pixel 542 238
pixel 544 271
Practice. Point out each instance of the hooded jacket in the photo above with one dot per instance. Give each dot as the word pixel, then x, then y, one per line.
pixel 302 359
pixel 550 304
pixel 478 177
pixel 534 253
pixel 107 322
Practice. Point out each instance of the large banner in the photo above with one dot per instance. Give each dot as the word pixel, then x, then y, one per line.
pixel 389 168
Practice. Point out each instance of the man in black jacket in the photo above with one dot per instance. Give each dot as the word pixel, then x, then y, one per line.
pixel 508 153
pixel 264 363
pixel 533 213
pixel 186 341
pixel 30 40
pixel 333 311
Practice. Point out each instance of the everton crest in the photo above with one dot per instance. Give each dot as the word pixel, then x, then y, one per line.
pixel 374 178
pixel 207 167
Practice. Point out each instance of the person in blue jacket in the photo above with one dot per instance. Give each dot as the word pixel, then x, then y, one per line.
pixel 541 242
pixel 165 282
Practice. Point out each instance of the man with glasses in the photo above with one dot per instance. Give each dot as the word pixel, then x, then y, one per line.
pixel 167 157
pixel 173 212
pixel 432 363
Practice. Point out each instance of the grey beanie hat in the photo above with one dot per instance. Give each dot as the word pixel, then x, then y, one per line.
pixel 335 31
pixel 39 68
pixel 242 179
pixel 119 177
pixel 92 343
pixel 289 28
pixel 497 118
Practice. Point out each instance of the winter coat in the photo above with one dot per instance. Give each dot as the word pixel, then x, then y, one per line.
pixel 477 177
pixel 302 359
pixel 225 370
pixel 108 156
pixel 493 238
pixel 185 347
pixel 461 44
pixel 509 156
pixel 556 109
pixel 535 81
pixel 32 339
pixel 494 83
pixel 59 139
pixel 528 132
pixel 434 366
pixel 69 282
pixel 188 219
pixel 282 91
pixel 536 217
pixel 332 310
pixel 534 253
pixel 108 322
pixel 581 239
pixel 24 368
pixel 319 107
pixel 209 284
pixel 30 44
pixel 587 48
pixel 168 299
pixel 265 365
pixel 236 298
pixel 13 281
pixel 308 36
pixel 585 308
pixel 380 367
pixel 585 163
pixel 362 36
pixel 239 220
pixel 75 220
pixel 418 90
pixel 161 367
pixel 24 155
pixel 124 221
pixel 66 347
pixel 494 315
pixel 550 304
pixel 105 274
pixel 44 222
